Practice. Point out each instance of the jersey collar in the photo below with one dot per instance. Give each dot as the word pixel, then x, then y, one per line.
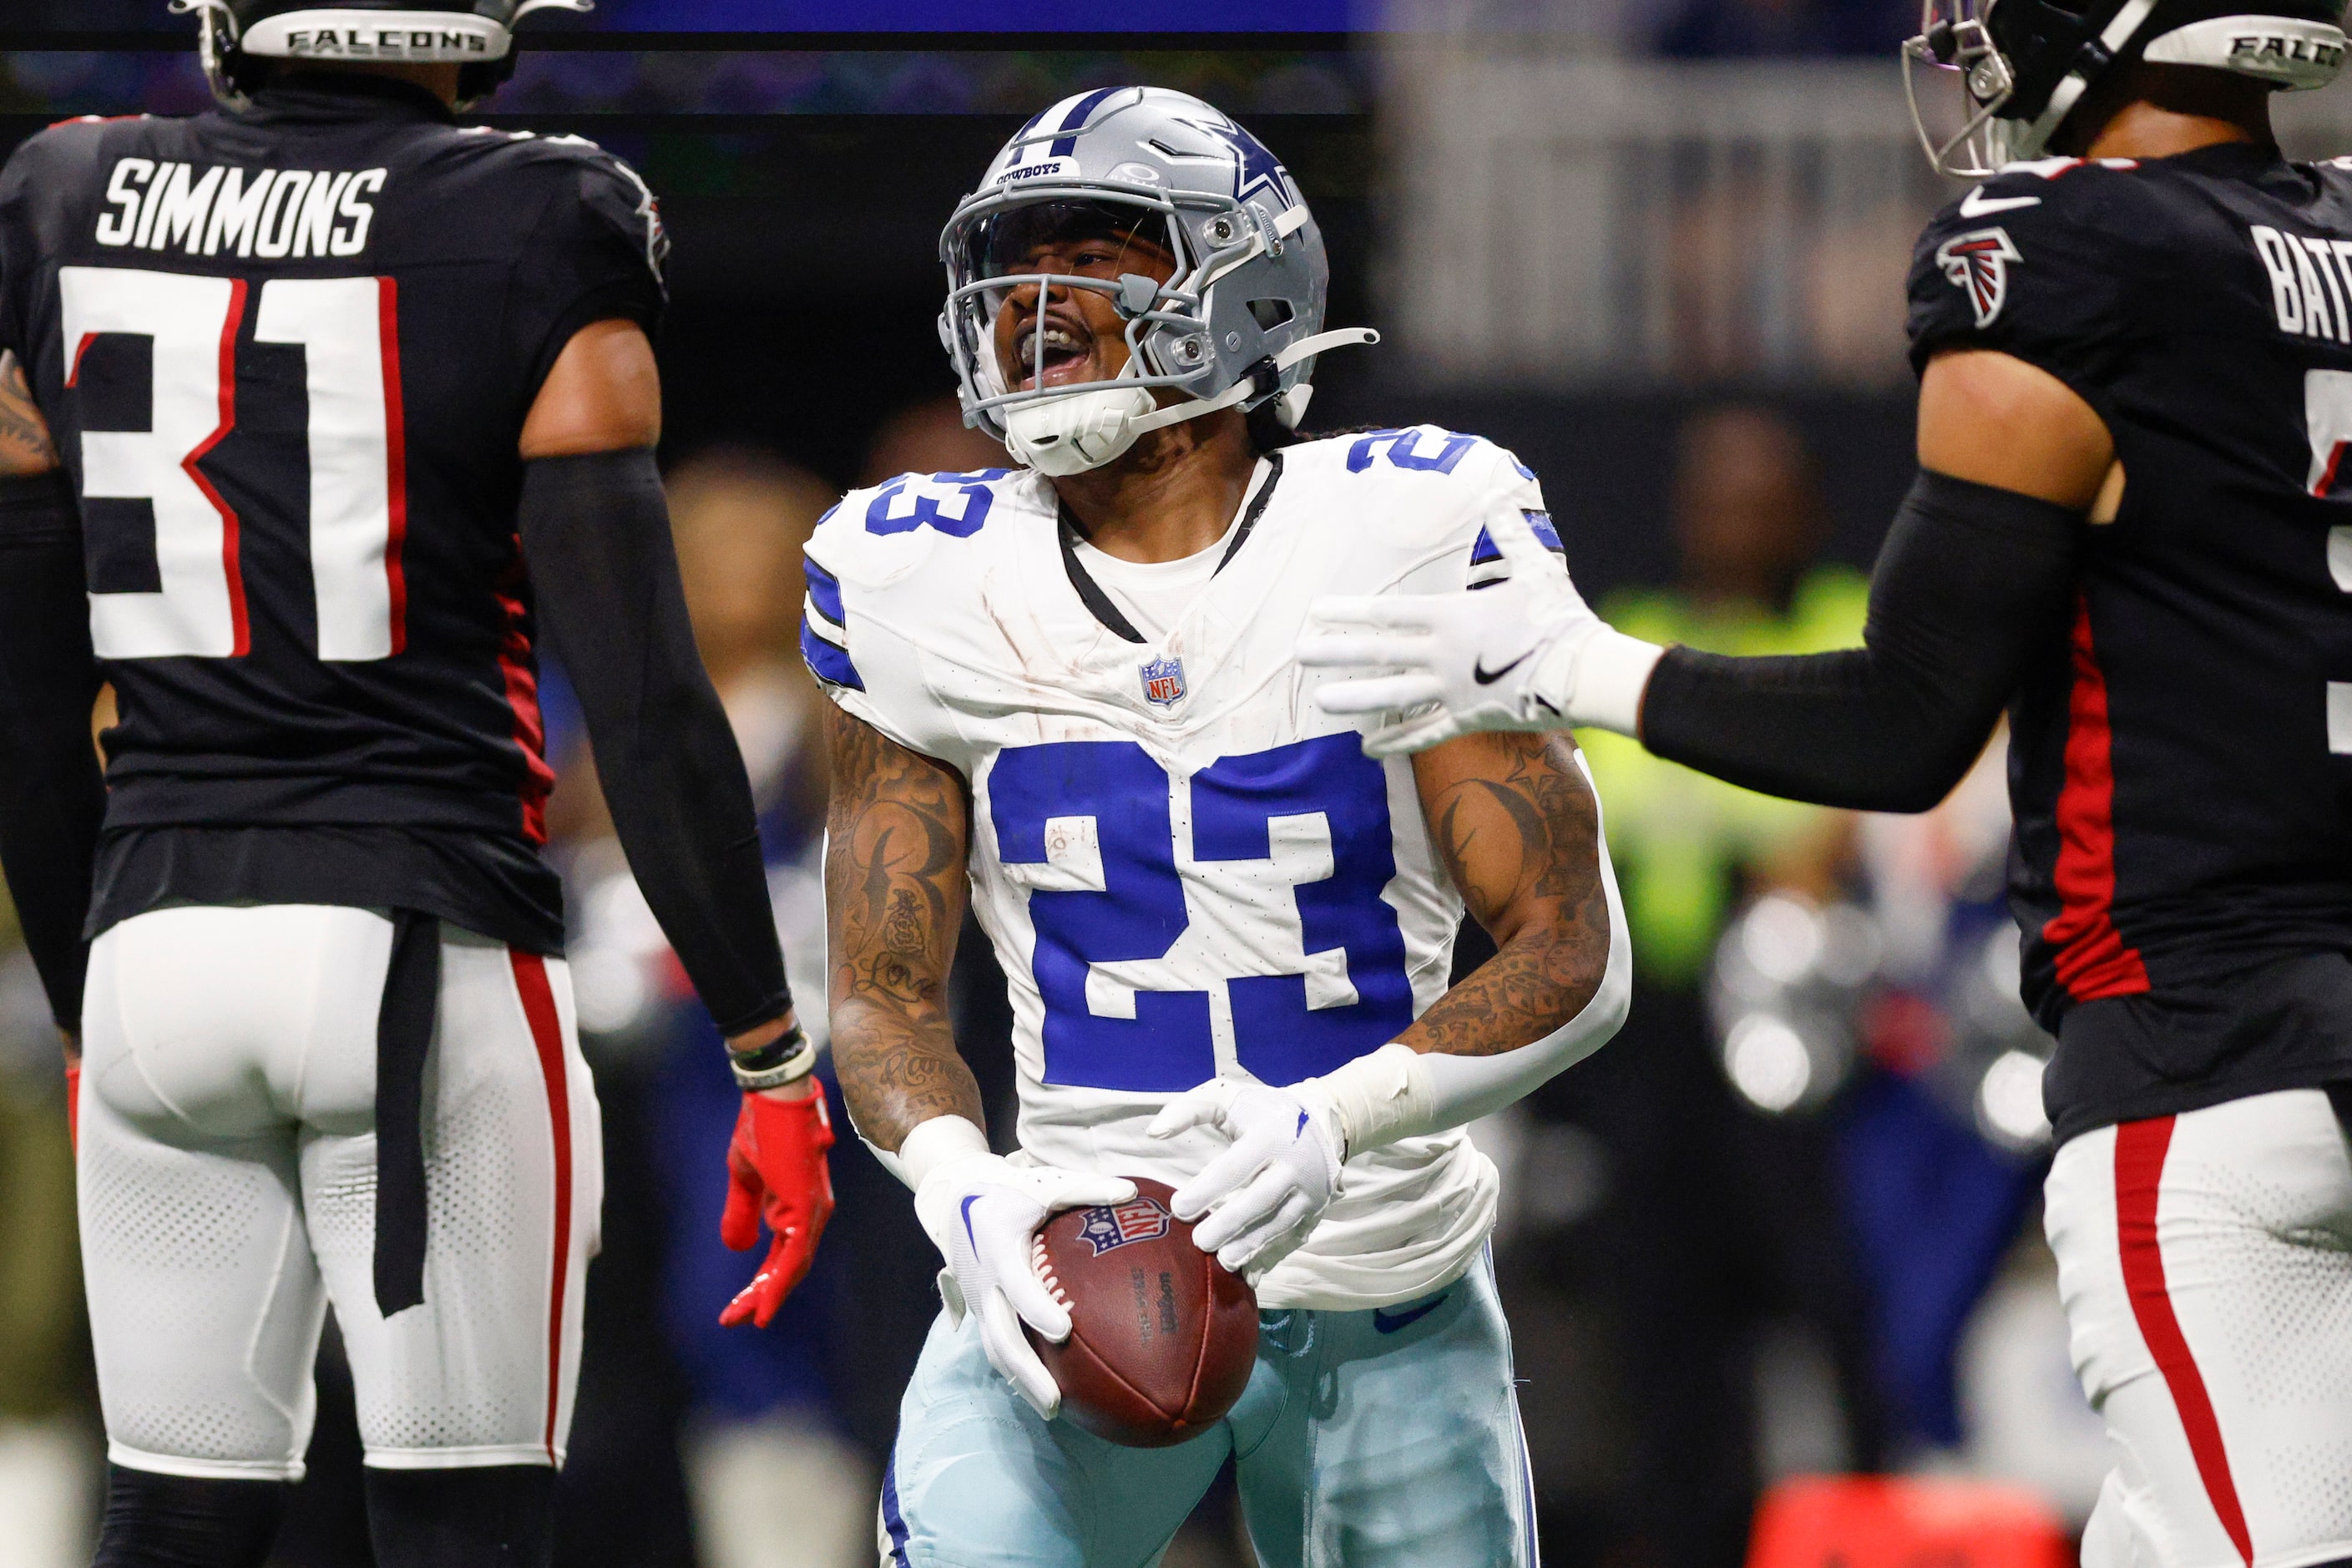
pixel 316 96
pixel 1098 604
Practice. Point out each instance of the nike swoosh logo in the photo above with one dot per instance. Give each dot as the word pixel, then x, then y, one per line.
pixel 1387 1322
pixel 1976 203
pixel 966 1211
pixel 1485 676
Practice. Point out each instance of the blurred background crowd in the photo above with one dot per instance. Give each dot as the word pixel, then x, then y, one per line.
pixel 1786 1224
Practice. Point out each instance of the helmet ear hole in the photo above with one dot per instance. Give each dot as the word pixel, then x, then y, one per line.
pixel 1270 313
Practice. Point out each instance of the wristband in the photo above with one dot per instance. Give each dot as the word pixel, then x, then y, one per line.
pixel 1599 681
pixel 788 1059
pixel 938 1141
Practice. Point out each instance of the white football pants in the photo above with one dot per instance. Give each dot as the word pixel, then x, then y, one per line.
pixel 2206 1264
pixel 228 1184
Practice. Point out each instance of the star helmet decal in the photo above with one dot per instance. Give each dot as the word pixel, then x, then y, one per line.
pixel 1255 167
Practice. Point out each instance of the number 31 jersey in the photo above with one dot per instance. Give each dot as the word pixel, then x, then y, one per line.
pixel 1187 869
pixel 286 354
pixel 2181 759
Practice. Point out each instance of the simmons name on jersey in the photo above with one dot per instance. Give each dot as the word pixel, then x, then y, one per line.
pixel 1186 867
pixel 2182 743
pixel 285 352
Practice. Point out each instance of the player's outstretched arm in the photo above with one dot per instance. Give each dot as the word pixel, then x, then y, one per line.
pixel 1515 820
pixel 595 532
pixel 896 838
pixel 51 796
pixel 1976 572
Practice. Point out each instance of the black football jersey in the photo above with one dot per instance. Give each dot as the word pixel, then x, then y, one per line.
pixel 287 354
pixel 2181 750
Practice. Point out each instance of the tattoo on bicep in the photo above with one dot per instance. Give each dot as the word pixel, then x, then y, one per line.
pixel 25 444
pixel 895 891
pixel 1521 847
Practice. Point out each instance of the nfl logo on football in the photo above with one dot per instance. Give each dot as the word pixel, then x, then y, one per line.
pixel 1108 1229
pixel 1164 681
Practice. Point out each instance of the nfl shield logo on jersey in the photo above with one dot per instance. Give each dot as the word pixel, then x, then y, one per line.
pixel 1109 1227
pixel 1164 681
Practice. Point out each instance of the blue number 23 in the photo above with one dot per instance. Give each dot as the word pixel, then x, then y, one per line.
pixel 1139 911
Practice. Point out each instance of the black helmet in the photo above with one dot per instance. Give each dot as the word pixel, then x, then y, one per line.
pixel 477 34
pixel 2025 64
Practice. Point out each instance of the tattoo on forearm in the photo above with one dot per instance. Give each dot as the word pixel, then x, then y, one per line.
pixel 893 892
pixel 25 444
pixel 1518 840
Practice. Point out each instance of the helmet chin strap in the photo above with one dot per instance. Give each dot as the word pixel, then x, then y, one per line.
pixel 1082 430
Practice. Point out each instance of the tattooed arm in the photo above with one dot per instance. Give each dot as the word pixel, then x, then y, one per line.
pixel 1519 831
pixel 25 444
pixel 893 892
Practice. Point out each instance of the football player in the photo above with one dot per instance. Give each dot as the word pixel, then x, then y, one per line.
pixel 313 406
pixel 2130 527
pixel 1067 691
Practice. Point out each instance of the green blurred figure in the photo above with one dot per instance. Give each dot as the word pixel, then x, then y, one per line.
pixel 1721 1221
pixel 1748 522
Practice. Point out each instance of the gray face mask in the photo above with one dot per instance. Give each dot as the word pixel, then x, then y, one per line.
pixel 1236 323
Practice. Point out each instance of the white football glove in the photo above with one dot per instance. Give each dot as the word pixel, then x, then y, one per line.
pixel 981 1211
pixel 1501 657
pixel 1264 1192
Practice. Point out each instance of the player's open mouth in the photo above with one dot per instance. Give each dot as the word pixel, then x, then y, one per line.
pixel 1068 350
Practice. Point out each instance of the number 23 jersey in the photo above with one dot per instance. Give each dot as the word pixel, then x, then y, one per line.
pixel 2181 756
pixel 1187 869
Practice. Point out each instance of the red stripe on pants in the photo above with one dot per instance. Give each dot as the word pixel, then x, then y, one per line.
pixel 2140 1149
pixel 547 1034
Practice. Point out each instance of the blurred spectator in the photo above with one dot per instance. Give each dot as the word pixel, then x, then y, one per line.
pixel 49 1436
pixel 1738 1332
pixel 1747 524
pixel 772 1479
pixel 929 437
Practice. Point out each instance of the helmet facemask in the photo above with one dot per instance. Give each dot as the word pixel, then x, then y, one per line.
pixel 1953 39
pixel 2023 66
pixel 1074 425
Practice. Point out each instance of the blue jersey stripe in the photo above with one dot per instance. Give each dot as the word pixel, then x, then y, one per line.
pixel 1075 120
pixel 829 660
pixel 1486 549
pixel 825 588
pixel 892 1520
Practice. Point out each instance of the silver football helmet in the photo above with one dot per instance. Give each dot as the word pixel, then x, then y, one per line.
pixel 1238 324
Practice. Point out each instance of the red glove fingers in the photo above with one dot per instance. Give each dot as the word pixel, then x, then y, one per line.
pixel 776 1171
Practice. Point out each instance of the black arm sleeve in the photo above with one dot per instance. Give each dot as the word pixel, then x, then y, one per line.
pixel 595 529
pixel 1972 580
pixel 52 797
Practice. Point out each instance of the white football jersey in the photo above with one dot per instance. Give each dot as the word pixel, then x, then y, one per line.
pixel 1187 869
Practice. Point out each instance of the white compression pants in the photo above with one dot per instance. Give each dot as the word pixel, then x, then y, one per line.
pixel 2206 1264
pixel 227 1187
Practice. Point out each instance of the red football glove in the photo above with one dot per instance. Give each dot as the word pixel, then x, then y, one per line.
pixel 73 1102
pixel 776 1171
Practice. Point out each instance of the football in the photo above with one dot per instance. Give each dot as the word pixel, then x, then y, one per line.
pixel 1162 1335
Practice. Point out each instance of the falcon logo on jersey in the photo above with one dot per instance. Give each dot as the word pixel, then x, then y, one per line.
pixel 1979 262
pixel 1109 1228
pixel 1164 681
